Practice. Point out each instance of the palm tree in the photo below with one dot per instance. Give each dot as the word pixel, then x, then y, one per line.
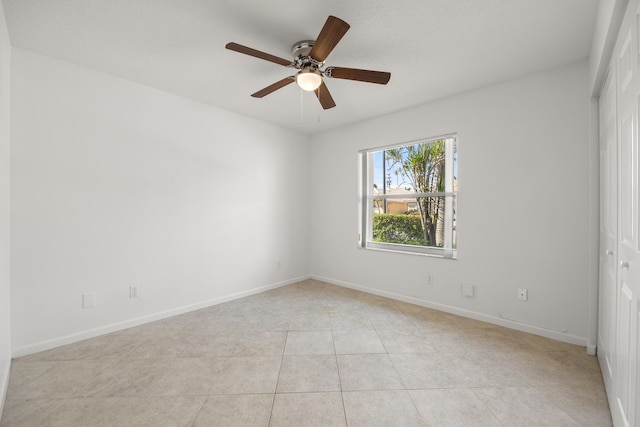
pixel 422 166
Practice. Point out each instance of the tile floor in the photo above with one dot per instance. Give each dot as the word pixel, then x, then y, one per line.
pixel 309 354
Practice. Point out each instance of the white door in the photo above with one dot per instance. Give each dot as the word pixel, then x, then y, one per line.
pixel 608 229
pixel 628 266
pixel 626 408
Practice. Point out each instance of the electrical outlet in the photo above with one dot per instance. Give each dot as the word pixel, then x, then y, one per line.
pixel 429 280
pixel 467 290
pixel 523 294
pixel 89 300
pixel 133 292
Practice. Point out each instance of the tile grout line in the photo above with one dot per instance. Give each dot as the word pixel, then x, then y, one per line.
pixel 195 416
pixel 335 355
pixel 275 391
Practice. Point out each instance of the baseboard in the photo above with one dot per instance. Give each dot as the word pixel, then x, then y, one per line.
pixel 91 333
pixel 536 330
pixel 4 383
pixel 114 327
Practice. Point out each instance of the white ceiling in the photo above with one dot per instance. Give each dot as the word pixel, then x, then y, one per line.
pixel 433 48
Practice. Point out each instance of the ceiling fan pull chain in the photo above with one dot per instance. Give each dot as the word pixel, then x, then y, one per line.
pixel 301 109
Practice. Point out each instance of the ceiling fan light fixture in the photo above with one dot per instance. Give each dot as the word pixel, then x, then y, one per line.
pixel 309 80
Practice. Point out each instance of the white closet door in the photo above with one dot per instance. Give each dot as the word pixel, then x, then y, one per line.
pixel 625 409
pixel 608 228
pixel 628 265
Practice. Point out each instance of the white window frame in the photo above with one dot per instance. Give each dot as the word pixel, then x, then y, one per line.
pixel 366 197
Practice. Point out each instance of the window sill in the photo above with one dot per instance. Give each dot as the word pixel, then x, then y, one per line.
pixel 411 250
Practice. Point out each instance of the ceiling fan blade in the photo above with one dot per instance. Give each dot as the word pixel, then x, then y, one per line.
pixel 324 97
pixel 272 88
pixel 258 54
pixel 333 30
pixel 379 77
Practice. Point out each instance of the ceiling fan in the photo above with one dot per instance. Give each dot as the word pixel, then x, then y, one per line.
pixel 308 58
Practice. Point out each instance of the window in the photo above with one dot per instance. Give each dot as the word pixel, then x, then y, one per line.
pixel 408 197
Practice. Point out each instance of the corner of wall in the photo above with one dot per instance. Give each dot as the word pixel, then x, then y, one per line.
pixel 608 20
pixel 5 321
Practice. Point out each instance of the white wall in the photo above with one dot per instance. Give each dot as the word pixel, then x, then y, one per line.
pixel 5 335
pixel 115 184
pixel 523 219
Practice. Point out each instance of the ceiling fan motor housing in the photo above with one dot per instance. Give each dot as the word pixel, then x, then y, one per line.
pixel 301 58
